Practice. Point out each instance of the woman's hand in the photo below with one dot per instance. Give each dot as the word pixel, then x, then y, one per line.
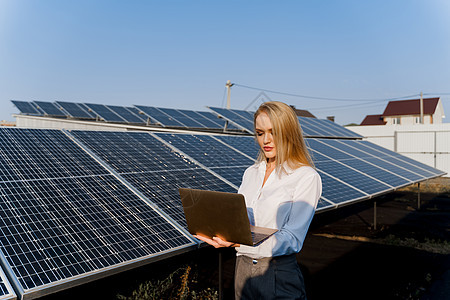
pixel 216 242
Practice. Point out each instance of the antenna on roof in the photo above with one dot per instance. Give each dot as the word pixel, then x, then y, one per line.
pixel 229 85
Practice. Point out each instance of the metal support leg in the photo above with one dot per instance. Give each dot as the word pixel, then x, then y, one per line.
pixel 220 274
pixel 418 195
pixel 375 215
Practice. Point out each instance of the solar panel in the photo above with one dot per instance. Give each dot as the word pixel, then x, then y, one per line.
pixel 125 114
pixel 154 168
pixel 6 290
pixel 245 144
pixel 103 112
pixel 202 119
pixel 182 118
pixel 74 110
pixel 49 109
pixel 407 171
pixel 138 113
pixel 234 118
pixel 313 127
pixel 332 148
pixel 26 107
pixel 210 152
pixel 397 158
pixel 68 218
pixel 159 117
pixel 214 118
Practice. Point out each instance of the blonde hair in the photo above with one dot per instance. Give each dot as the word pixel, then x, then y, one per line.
pixel 287 135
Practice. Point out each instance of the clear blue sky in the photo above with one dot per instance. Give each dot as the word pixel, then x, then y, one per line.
pixel 179 54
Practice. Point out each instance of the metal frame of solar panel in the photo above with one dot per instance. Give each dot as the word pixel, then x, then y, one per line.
pixel 6 290
pixel 65 219
pixel 75 110
pixel 26 108
pixel 49 109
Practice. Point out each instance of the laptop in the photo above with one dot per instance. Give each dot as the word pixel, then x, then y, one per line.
pixel 211 213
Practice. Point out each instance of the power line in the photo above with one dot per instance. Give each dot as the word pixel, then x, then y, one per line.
pixel 322 98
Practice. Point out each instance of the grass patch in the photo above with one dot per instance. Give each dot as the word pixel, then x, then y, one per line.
pixel 181 284
pixel 429 245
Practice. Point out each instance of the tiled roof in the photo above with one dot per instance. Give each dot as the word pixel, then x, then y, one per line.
pixel 303 113
pixel 410 107
pixel 373 120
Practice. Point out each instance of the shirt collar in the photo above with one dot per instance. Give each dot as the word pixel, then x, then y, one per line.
pixel 263 164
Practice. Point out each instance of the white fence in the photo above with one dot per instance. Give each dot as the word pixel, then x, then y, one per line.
pixel 429 144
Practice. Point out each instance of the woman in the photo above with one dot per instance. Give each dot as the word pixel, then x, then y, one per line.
pixel 281 191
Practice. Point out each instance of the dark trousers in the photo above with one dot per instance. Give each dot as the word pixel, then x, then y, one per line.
pixel 268 278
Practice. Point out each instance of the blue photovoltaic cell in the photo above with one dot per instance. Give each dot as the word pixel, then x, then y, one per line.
pixel 161 187
pixel 202 119
pixel 75 110
pixel 325 128
pixel 397 158
pixel 49 108
pixel 331 148
pixel 153 168
pixel 132 152
pixel 36 154
pixel 210 153
pixel 405 172
pixel 337 191
pixel 206 150
pixel 349 175
pixel 53 230
pixel 245 144
pixel 69 216
pixel 235 118
pixel 341 130
pixel 215 118
pixel 26 107
pixel 157 116
pixel 125 114
pixel 103 112
pixel 244 114
pixel 137 112
pixel 183 119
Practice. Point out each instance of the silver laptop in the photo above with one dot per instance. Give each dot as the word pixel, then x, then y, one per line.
pixel 221 214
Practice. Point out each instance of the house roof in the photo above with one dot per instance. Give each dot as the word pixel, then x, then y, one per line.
pixel 373 120
pixel 303 113
pixel 410 107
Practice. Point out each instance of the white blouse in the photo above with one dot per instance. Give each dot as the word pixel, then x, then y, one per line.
pixel 286 202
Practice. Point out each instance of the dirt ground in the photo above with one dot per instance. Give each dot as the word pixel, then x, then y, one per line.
pixel 344 256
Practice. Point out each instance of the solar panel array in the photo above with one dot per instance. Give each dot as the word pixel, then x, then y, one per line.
pixel 311 127
pixel 77 204
pixel 151 166
pixel 64 216
pixel 135 115
pixel 218 119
